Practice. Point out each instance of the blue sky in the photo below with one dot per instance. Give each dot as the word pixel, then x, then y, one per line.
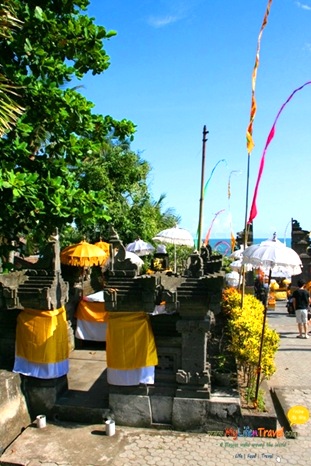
pixel 178 65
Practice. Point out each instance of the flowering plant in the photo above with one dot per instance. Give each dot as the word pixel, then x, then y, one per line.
pixel 245 326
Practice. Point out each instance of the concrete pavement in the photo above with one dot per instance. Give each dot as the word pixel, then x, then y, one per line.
pixel 291 382
pixel 68 444
pixel 78 445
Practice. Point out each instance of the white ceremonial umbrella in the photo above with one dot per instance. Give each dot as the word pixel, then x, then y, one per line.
pixel 271 253
pixel 176 236
pixel 140 247
pixel 237 254
pixel 268 254
pixel 281 271
pixel 134 258
pixel 238 264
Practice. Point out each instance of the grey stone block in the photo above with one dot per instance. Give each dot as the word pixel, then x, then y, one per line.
pixel 162 409
pixel 131 410
pixel 14 416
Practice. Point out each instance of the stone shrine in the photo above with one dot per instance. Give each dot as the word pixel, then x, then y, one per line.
pixel 182 395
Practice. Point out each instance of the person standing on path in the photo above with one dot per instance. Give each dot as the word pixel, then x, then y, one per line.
pixel 261 291
pixel 301 301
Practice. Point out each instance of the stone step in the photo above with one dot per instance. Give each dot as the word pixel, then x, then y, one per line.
pixel 40 277
pixel 87 397
pixel 90 406
pixel 33 288
pixel 80 414
pixel 124 284
pixel 161 426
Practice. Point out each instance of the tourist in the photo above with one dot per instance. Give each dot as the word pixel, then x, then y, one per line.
pixel 260 288
pixel 301 301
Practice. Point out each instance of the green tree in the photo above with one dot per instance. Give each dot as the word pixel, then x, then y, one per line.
pixel 10 110
pixel 43 155
pixel 120 175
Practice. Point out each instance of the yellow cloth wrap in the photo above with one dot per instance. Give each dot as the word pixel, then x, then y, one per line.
pixel 130 341
pixel 42 336
pixel 92 311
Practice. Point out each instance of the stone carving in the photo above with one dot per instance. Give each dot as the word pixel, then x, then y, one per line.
pixel 119 263
pixel 36 288
pixel 183 376
pixel 195 265
pixel 197 378
pixel 203 263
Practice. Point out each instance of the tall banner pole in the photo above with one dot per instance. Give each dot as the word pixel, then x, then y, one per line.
pixel 249 133
pixel 205 133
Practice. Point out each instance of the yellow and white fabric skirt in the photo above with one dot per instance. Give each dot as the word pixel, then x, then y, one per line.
pixel 42 349
pixel 91 321
pixel 131 349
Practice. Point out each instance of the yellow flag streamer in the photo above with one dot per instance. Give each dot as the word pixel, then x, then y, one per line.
pixel 249 133
pixel 233 242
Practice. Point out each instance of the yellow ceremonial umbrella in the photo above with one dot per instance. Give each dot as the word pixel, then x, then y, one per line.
pixel 104 246
pixel 83 254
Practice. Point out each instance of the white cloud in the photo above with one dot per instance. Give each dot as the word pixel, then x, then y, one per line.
pixel 159 22
pixel 173 11
pixel 304 6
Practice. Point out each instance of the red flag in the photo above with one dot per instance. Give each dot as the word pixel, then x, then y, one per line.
pixel 249 132
pixel 253 212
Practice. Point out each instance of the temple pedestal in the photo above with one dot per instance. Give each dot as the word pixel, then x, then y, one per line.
pixel 193 378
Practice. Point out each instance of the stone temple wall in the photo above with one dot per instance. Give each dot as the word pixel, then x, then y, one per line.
pixel 182 392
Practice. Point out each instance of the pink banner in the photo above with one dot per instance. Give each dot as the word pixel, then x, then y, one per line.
pixel 253 212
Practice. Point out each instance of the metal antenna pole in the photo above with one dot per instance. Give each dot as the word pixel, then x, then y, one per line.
pixel 205 133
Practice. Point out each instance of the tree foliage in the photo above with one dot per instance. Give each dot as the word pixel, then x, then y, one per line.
pixel 42 158
pixel 9 109
pixel 121 176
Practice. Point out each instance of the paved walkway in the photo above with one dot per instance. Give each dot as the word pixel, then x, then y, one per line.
pixel 67 444
pixel 292 380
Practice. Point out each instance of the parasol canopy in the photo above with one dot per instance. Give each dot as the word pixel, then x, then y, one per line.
pixel 104 246
pixel 278 271
pixel 271 253
pixel 134 258
pixel 176 236
pixel 237 254
pixel 83 254
pixel 140 247
pixel 281 271
pixel 238 264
